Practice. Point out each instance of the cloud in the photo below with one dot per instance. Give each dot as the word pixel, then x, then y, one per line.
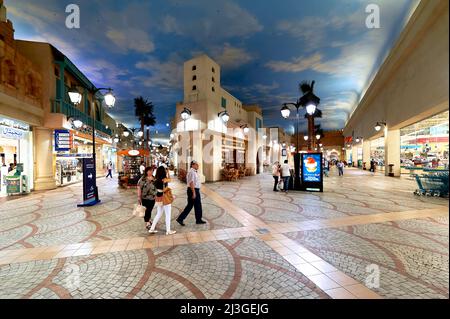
pixel 314 30
pixel 230 57
pixel 212 21
pixel 296 65
pixel 163 74
pixel 131 39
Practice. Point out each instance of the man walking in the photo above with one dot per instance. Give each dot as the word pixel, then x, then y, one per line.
pixel 193 196
pixel 340 166
pixel 286 175
pixel 109 168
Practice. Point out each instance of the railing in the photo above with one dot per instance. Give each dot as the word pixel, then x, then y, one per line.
pixel 71 111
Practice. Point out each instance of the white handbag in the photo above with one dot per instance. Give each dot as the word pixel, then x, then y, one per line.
pixel 139 210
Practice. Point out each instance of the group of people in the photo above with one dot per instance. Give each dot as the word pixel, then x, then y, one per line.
pixel 281 173
pixel 151 189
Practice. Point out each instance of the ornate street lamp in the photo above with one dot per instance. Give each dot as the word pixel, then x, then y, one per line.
pixel 186 114
pixel 379 126
pixel 224 116
pixel 126 133
pixel 75 96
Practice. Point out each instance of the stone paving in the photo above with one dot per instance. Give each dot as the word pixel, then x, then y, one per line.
pixel 257 243
pixel 412 255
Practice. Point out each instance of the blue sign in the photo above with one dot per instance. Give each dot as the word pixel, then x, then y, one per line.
pixel 89 179
pixel 63 141
pixel 312 172
pixel 312 168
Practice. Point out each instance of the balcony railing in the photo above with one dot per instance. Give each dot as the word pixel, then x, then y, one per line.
pixel 69 110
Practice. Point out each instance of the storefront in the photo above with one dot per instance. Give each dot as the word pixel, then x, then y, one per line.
pixel 377 152
pixel 426 144
pixel 68 160
pixel 16 156
pixel 131 160
pixel 233 153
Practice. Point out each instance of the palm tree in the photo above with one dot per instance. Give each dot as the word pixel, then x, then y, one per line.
pixel 144 111
pixel 308 96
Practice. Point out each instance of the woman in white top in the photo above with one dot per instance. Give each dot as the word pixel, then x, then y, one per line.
pixel 161 182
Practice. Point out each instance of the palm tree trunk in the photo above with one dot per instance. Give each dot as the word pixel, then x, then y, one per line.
pixel 310 132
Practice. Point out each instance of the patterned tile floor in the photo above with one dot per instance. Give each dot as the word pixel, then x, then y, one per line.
pixel 257 244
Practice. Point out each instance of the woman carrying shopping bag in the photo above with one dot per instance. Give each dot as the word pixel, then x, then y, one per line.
pixel 163 200
pixel 146 195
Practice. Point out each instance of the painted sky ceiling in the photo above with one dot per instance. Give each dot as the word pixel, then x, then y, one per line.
pixel 265 48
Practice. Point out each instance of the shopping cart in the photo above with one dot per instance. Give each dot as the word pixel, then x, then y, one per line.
pixel 435 184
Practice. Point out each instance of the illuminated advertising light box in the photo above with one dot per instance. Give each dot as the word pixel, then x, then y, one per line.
pixel 312 172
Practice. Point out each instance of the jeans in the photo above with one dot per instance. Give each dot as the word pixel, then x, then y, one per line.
pixel 109 173
pixel 286 183
pixel 148 204
pixel 275 185
pixel 341 172
pixel 167 209
pixel 193 203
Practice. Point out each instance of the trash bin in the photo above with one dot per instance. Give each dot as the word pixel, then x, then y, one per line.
pixel 391 170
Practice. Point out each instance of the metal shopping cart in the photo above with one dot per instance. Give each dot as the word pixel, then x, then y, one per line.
pixel 435 184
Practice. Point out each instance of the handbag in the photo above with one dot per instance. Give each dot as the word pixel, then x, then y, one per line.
pixel 167 196
pixel 139 210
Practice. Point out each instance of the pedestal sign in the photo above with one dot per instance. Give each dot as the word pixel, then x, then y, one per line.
pixel 312 172
pixel 90 196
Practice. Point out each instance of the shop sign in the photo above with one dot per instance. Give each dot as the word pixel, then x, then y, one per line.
pixel 63 140
pixel 14 124
pixel 12 133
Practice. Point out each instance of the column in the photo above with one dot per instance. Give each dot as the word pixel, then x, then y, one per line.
pixel 366 153
pixel 44 178
pixel 355 155
pixel 392 151
pixel 197 152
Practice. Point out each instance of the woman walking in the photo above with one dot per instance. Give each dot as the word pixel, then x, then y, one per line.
pixel 146 194
pixel 161 184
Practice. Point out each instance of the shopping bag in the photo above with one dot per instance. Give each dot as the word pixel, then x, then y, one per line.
pixel 139 210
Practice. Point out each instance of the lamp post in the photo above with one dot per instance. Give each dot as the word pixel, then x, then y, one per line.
pixel 110 100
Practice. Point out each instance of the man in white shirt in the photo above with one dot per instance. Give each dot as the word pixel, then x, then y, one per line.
pixel 193 196
pixel 142 168
pixel 286 175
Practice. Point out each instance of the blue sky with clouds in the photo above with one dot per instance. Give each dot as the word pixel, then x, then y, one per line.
pixel 265 48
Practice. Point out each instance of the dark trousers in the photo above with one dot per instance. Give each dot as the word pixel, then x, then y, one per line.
pixel 192 203
pixel 148 204
pixel 286 183
pixel 275 184
pixel 109 173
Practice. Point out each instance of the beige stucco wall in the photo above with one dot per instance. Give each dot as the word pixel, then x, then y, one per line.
pixel 413 83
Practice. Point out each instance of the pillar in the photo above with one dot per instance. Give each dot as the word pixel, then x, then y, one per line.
pixel 355 156
pixel 392 151
pixel 366 153
pixel 197 152
pixel 44 178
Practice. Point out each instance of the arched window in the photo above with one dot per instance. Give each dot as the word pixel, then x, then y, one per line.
pixel 213 89
pixel 194 88
pixel 214 80
pixel 194 78
pixel 194 68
